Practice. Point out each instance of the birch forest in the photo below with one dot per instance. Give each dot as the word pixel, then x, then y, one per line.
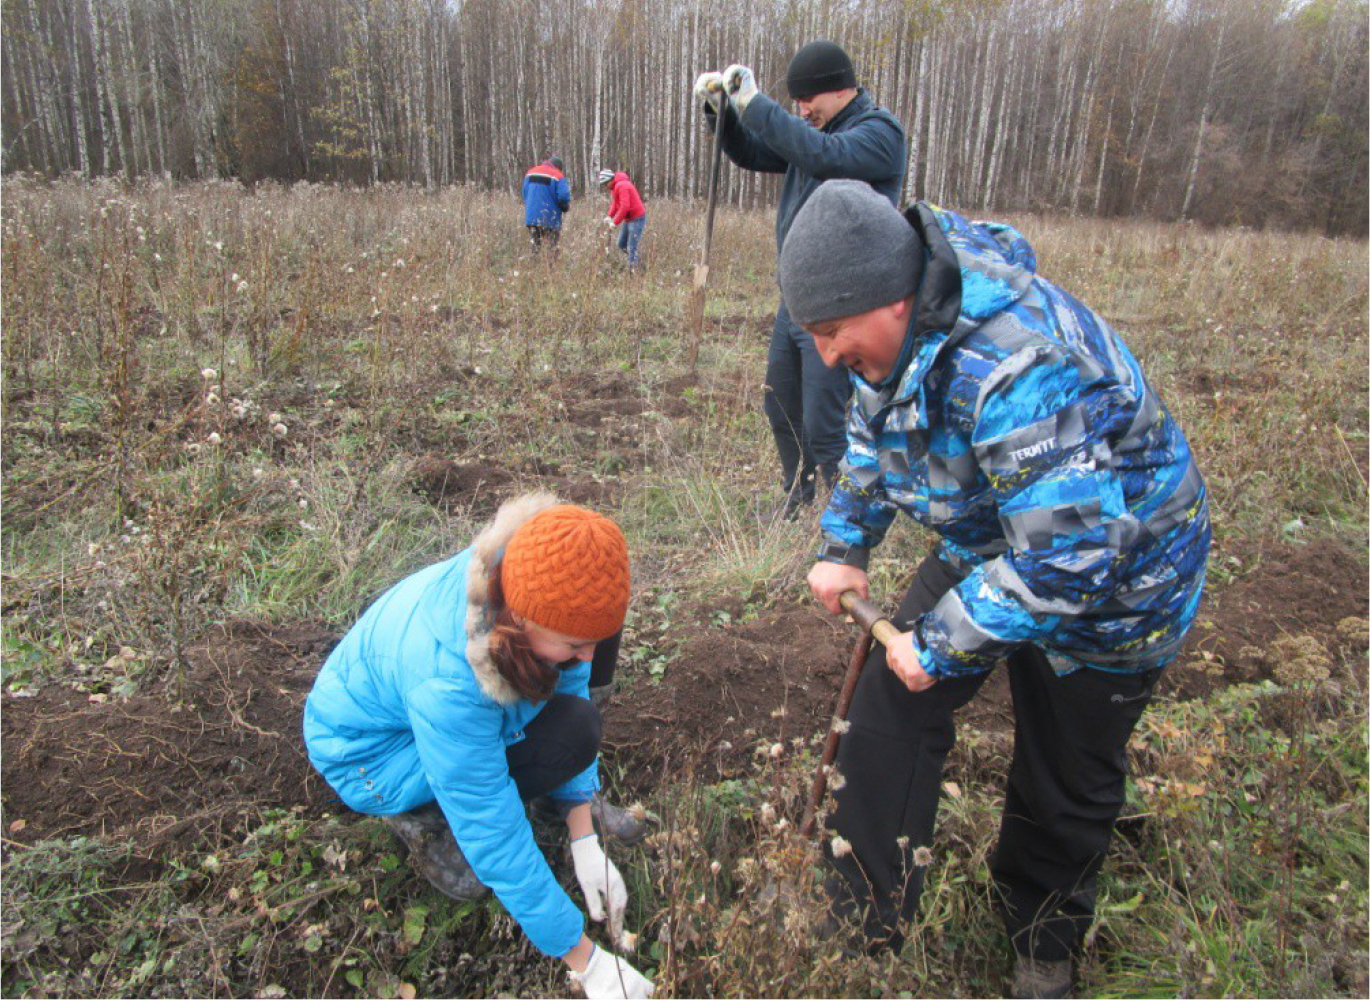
pixel 1245 112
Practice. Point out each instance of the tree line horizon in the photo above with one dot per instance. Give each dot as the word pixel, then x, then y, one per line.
pixel 1224 112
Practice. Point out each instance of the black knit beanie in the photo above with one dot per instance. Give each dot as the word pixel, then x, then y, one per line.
pixel 819 68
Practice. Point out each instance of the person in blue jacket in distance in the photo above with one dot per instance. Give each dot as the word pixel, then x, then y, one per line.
pixel 462 695
pixel 546 196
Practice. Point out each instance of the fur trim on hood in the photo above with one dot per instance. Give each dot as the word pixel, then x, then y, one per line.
pixel 486 552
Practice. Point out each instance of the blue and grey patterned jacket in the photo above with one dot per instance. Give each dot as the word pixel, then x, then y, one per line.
pixel 1022 431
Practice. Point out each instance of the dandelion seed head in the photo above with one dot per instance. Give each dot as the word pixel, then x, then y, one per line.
pixel 213 437
pixel 841 846
pixel 208 374
pixel 922 856
pixel 280 430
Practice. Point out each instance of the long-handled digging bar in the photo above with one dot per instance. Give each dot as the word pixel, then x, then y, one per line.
pixel 696 311
pixel 874 624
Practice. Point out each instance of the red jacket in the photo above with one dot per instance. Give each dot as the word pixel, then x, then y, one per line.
pixel 625 204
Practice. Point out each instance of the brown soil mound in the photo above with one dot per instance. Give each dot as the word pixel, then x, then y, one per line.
pixel 479 486
pixel 729 692
pixel 1292 590
pixel 141 767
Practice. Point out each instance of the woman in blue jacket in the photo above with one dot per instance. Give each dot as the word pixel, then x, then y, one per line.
pixel 462 694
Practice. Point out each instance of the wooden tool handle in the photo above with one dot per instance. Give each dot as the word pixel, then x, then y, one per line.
pixel 869 617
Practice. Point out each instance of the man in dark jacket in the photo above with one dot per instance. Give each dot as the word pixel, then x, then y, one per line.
pixel 839 133
pixel 545 196
pixel 1005 415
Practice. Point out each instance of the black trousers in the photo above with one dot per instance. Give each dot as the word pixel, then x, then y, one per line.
pixel 806 405
pixel 605 660
pixel 560 742
pixel 549 233
pixel 1065 788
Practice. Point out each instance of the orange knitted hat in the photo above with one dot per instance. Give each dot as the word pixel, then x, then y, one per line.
pixel 566 568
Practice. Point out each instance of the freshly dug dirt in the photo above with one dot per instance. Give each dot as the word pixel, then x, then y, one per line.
pixel 729 692
pixel 140 767
pixel 1294 590
pixel 481 487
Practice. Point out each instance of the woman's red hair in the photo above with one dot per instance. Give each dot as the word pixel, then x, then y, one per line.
pixel 511 653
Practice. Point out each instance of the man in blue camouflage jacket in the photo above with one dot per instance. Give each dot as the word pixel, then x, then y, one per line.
pixel 1001 412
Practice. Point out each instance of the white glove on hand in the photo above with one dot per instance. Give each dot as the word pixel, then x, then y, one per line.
pixel 608 977
pixel 741 85
pixel 601 883
pixel 609 222
pixel 708 87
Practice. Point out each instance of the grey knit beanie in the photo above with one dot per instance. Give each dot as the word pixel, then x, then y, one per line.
pixel 848 251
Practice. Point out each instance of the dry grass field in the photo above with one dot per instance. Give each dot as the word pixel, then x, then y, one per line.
pixel 232 418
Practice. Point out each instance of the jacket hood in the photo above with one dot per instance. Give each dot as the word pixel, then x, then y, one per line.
pixel 478 621
pixel 974 270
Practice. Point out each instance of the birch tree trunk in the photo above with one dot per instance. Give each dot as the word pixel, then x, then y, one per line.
pixel 1195 159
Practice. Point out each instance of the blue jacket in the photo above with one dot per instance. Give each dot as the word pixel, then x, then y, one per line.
pixel 545 196
pixel 863 142
pixel 410 707
pixel 1018 426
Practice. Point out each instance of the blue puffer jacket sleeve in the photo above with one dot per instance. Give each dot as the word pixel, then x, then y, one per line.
pixel 563 190
pixel 457 735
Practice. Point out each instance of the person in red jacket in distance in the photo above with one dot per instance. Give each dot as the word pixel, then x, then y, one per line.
pixel 627 212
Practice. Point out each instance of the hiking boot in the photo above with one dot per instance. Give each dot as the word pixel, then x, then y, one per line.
pixel 434 853
pixel 611 821
pixel 617 823
pixel 1037 977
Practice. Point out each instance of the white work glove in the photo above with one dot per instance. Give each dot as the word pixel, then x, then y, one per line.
pixel 708 87
pixel 608 977
pixel 608 221
pixel 601 883
pixel 741 86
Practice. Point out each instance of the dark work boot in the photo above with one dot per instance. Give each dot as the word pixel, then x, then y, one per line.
pixel 1036 977
pixel 610 821
pixel 434 853
pixel 616 822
